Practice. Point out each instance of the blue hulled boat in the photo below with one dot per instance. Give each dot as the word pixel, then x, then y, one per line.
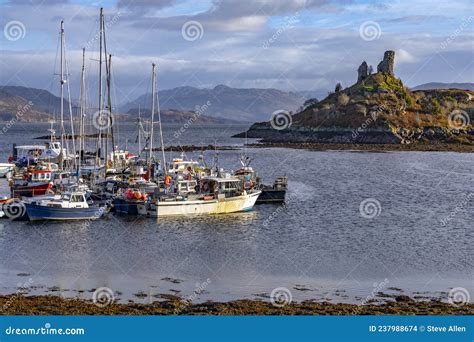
pixel 71 206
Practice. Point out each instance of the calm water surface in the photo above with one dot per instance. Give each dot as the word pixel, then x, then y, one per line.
pixel 318 245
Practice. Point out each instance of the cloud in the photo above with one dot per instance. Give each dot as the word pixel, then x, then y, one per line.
pixel 403 56
pixel 315 52
pixel 416 19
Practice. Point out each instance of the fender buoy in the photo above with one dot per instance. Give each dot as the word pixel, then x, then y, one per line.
pixel 167 180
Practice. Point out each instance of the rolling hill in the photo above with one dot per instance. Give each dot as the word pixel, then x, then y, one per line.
pixel 246 105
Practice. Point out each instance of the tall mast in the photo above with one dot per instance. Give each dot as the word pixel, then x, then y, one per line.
pixel 153 90
pixel 99 138
pixel 161 132
pixel 139 131
pixel 82 109
pixel 109 109
pixel 62 81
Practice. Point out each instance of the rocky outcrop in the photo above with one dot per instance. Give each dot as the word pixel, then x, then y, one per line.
pixel 362 72
pixel 379 109
pixel 386 65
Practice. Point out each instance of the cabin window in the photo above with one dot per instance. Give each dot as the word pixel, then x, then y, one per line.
pixel 76 198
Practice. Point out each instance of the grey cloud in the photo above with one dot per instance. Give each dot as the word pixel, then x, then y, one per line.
pixel 144 5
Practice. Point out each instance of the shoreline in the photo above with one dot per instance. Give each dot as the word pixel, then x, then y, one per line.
pixel 17 304
pixel 461 148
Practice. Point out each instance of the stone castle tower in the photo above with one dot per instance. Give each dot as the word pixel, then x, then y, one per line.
pixel 386 65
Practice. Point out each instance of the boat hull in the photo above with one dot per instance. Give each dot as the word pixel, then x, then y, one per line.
pixel 202 207
pixel 122 206
pixel 31 190
pixel 271 196
pixel 38 213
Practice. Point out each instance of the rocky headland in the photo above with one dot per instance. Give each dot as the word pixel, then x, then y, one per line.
pixel 377 109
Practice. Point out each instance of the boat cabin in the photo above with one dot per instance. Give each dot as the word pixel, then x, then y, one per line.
pixel 40 176
pixel 69 200
pixel 186 186
pixel 227 187
pixel 26 155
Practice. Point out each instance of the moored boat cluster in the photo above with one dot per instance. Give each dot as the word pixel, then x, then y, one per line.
pixel 69 178
pixel 46 190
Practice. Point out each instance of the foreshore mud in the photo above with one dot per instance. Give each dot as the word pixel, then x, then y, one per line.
pixel 55 305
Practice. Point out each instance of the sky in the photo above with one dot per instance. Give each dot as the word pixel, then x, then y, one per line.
pixel 292 45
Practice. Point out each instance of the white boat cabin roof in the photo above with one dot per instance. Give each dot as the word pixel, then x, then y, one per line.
pixel 221 180
pixel 30 147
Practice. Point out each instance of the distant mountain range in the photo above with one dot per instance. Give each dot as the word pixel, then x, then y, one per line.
pixel 43 100
pixel 439 85
pixel 225 102
pixel 221 103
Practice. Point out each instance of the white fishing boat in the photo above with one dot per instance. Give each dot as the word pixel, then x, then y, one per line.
pixel 217 196
pixel 53 152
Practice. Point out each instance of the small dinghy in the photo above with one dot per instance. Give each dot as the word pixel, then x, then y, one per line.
pixel 70 206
